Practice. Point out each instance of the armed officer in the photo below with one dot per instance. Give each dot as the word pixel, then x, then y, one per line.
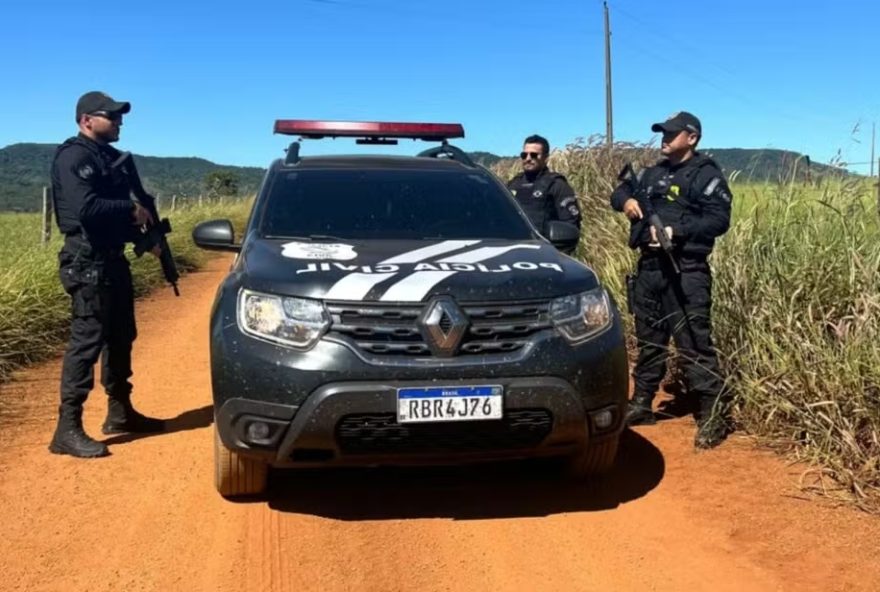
pixel 670 294
pixel 542 194
pixel 97 216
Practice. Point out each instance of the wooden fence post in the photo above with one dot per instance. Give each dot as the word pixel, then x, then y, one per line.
pixel 878 185
pixel 46 233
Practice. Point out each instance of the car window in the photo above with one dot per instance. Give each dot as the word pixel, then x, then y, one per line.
pixel 390 204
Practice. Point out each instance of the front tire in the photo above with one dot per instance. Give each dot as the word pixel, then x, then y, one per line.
pixel 236 475
pixel 596 459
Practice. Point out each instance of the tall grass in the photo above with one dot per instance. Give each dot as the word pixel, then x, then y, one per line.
pixel 796 313
pixel 35 312
pixel 798 316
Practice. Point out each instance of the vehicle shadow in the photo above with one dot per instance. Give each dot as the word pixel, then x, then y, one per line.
pixel 498 490
pixel 188 420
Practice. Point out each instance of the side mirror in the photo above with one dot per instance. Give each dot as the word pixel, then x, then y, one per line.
pixel 215 235
pixel 563 235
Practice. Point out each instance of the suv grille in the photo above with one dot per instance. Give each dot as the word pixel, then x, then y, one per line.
pixel 383 329
pixel 380 432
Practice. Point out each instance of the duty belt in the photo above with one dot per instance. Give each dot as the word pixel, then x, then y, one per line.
pixel 652 258
pixel 100 251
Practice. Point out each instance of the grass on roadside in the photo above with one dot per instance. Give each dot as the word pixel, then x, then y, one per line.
pixel 35 312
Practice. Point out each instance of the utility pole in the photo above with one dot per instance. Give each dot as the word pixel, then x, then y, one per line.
pixel 878 185
pixel 609 126
pixel 873 135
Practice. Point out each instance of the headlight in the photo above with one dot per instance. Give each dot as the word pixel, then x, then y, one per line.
pixel 296 322
pixel 581 315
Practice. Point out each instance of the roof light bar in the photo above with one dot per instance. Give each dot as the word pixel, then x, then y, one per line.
pixel 373 130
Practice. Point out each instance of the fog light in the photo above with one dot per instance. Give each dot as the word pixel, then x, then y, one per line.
pixel 603 419
pixel 257 431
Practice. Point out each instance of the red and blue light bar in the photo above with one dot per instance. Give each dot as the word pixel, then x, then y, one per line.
pixel 373 130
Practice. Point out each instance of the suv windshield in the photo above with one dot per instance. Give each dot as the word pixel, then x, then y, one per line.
pixel 390 204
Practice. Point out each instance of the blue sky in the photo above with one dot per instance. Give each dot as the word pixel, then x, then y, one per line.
pixel 208 79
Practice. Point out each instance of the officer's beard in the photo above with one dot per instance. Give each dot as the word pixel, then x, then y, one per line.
pixel 532 175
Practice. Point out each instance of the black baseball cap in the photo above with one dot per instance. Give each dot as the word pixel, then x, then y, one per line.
pixel 681 121
pixel 97 101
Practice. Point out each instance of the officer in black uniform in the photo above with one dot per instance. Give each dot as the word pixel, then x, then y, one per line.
pixel 542 194
pixel 97 217
pixel 688 192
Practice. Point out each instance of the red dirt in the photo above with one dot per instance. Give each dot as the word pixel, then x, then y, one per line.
pixel 148 517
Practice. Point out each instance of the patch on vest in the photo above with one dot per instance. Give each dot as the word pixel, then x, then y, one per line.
pixel 537 194
pixel 85 172
pixel 570 204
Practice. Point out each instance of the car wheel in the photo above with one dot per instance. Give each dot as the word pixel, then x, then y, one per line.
pixel 236 475
pixel 597 458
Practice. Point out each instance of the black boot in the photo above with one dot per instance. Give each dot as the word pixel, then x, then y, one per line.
pixel 638 411
pixel 123 418
pixel 70 438
pixel 713 424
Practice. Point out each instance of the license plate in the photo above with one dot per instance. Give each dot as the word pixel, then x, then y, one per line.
pixel 450 403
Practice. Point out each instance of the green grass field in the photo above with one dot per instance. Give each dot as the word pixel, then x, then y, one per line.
pixel 34 311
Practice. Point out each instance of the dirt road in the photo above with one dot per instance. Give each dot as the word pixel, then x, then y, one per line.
pixel 148 517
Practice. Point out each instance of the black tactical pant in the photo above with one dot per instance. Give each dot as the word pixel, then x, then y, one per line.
pixel 102 322
pixel 669 305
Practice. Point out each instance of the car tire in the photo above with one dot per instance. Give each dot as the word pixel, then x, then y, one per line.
pixel 235 475
pixel 597 458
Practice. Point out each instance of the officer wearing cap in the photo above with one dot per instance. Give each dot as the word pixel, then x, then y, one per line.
pixel 97 216
pixel 542 194
pixel 671 291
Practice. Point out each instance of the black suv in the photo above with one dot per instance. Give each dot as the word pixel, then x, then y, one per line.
pixel 395 310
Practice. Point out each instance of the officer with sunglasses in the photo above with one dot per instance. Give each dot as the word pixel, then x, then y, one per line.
pixel 97 216
pixel 542 194
pixel 671 292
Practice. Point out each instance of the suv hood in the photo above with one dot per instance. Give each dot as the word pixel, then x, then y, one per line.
pixel 412 271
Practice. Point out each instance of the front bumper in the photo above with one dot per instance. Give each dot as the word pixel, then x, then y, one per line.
pixel 354 423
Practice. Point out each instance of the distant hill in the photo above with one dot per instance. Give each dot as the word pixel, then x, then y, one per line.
pixel 769 164
pixel 487 159
pixel 24 170
pixel 748 164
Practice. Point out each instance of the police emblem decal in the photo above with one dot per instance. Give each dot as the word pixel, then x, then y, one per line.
pixel 318 251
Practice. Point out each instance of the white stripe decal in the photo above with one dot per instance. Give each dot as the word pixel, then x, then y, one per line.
pixel 413 288
pixel 484 253
pixel 355 286
pixel 430 251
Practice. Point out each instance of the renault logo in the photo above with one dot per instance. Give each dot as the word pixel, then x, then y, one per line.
pixel 443 325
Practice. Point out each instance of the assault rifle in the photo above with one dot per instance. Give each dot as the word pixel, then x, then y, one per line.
pixel 640 194
pixel 153 234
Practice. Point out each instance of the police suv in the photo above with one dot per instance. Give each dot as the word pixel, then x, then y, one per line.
pixel 402 310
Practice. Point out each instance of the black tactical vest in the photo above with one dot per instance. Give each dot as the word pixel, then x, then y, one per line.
pixel 534 198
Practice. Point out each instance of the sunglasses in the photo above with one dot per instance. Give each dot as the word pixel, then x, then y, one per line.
pixel 533 155
pixel 116 117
